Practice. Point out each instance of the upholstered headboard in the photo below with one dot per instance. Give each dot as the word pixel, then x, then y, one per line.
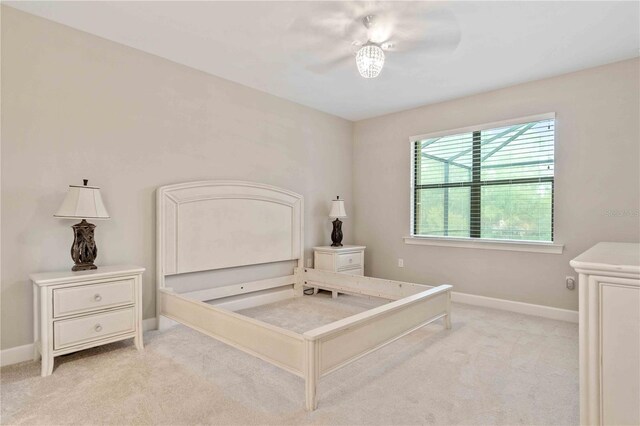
pixel 222 224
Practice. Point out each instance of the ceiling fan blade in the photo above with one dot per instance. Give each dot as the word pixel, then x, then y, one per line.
pixel 414 14
pixel 326 66
pixel 436 44
pixel 438 34
pixel 335 26
pixel 355 46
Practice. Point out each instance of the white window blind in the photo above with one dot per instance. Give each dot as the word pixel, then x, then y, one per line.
pixel 494 183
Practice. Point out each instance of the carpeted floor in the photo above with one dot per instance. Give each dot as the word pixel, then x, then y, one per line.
pixel 493 367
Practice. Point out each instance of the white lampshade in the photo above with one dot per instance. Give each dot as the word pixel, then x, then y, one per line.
pixel 337 209
pixel 82 202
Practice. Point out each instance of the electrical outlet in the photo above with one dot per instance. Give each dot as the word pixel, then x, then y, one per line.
pixel 570 282
pixel 308 263
pixel 400 263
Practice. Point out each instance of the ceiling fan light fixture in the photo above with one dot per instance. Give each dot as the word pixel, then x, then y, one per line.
pixel 370 60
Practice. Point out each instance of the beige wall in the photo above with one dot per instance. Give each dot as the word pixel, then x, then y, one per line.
pixel 76 106
pixel 597 170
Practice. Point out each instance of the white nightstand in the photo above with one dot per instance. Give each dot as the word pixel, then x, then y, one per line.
pixel 345 259
pixel 79 310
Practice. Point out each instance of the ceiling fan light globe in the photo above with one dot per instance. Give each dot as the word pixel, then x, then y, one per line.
pixel 370 60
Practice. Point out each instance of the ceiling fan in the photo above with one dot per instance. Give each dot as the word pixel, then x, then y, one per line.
pixel 370 55
pixel 377 29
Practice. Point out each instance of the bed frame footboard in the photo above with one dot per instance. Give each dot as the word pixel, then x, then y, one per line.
pixel 335 345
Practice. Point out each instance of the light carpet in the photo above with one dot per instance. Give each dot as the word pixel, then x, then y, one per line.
pixel 493 367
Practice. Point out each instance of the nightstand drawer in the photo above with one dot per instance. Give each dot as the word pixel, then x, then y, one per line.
pixel 349 261
pixel 93 327
pixel 87 298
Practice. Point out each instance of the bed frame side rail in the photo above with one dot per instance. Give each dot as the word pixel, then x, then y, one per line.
pixel 335 345
pixel 361 285
pixel 280 347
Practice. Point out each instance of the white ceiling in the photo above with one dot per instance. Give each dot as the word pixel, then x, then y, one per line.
pixel 269 45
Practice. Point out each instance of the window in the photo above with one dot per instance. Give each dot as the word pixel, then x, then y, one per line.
pixel 487 183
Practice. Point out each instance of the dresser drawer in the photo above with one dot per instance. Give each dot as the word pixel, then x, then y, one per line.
pixel 349 261
pixel 75 300
pixel 80 330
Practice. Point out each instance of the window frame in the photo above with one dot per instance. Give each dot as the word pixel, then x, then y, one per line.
pixel 479 242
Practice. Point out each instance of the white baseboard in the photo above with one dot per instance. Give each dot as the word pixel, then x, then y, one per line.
pixel 150 324
pixel 165 323
pixel 519 307
pixel 16 354
pixel 25 352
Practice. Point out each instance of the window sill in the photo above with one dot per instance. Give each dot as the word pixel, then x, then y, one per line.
pixel 528 246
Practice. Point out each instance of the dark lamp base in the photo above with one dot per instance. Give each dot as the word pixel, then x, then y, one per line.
pixel 84 267
pixel 336 234
pixel 83 250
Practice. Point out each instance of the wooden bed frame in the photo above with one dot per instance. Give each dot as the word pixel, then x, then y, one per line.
pixel 212 225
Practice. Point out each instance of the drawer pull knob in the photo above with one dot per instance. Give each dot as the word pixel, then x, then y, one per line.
pixel 97 298
pixel 350 260
pixel 98 327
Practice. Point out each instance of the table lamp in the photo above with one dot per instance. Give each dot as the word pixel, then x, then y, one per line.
pixel 337 212
pixel 83 202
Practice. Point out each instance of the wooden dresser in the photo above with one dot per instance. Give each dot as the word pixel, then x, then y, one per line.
pixel 80 310
pixel 609 334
